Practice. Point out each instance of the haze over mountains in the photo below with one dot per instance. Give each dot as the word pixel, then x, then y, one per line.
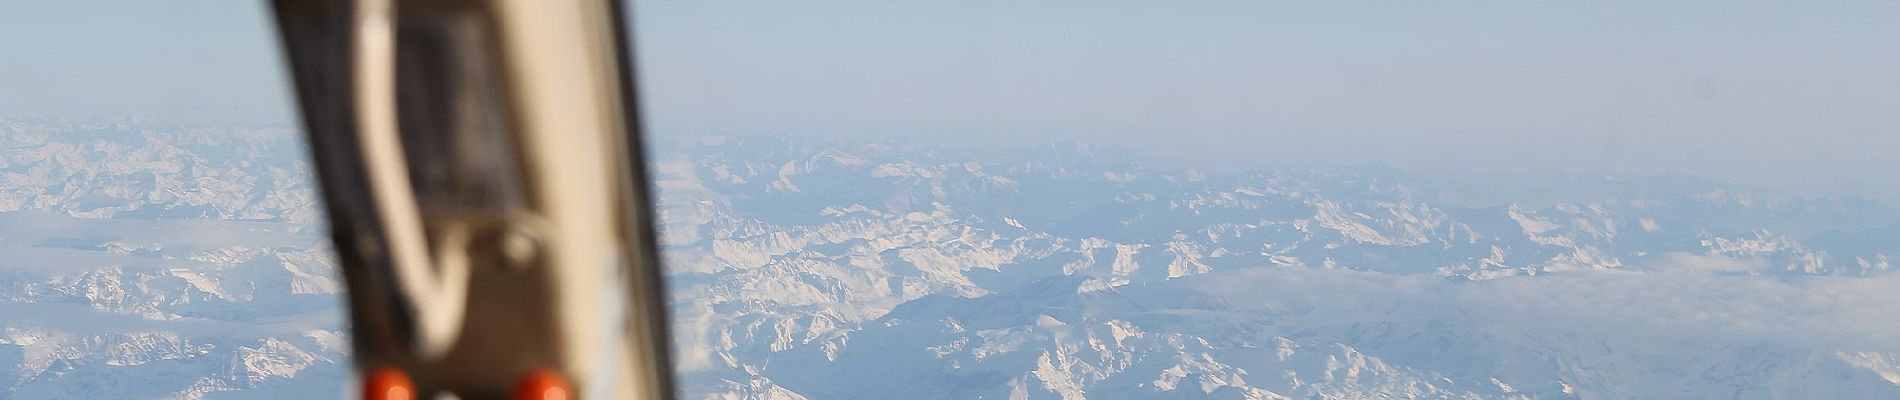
pixel 148 261
pixel 161 262
pixel 829 270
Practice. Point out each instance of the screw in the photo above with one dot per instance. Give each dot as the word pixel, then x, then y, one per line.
pixel 520 246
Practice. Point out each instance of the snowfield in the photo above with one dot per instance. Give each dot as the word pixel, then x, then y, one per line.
pixel 162 262
pixel 147 261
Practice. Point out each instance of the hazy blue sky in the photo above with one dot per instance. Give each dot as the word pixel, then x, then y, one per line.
pixel 1804 96
pixel 1795 96
pixel 178 60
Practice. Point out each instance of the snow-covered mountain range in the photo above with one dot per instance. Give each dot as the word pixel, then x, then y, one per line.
pixel 825 270
pixel 141 261
pixel 147 261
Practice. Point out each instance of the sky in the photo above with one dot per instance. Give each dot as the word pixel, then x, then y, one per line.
pixel 1799 97
pixel 186 61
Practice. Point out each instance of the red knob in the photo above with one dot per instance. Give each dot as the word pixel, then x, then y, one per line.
pixel 388 384
pixel 542 385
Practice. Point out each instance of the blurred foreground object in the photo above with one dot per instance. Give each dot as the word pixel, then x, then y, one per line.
pixel 481 168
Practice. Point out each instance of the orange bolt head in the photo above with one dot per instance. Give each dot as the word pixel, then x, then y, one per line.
pixel 388 384
pixel 543 385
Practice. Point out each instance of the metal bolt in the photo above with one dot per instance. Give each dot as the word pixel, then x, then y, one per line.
pixel 520 246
